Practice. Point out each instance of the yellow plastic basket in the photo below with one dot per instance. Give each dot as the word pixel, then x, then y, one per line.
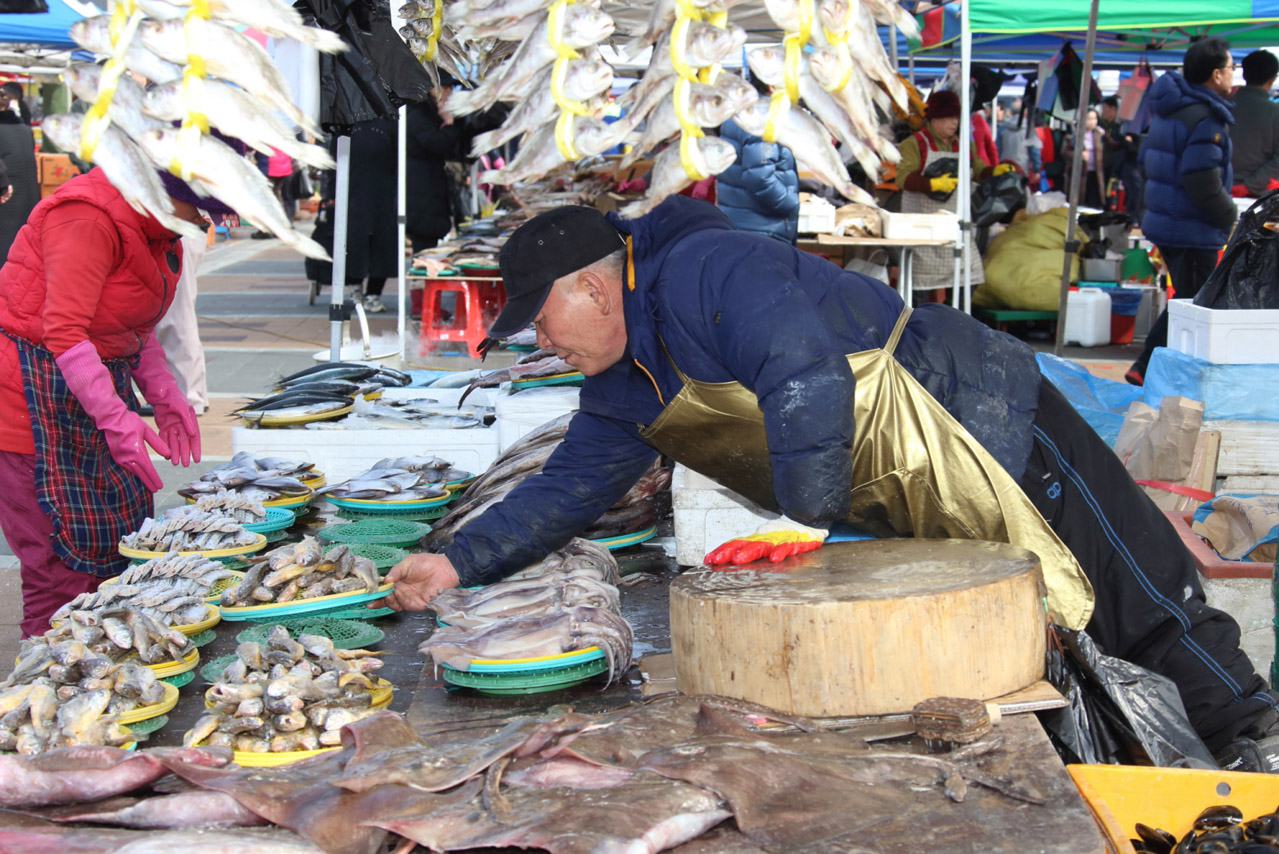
pixel 257 545
pixel 1169 798
pixel 143 713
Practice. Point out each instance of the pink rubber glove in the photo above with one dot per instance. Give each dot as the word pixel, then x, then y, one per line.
pixel 174 416
pixel 127 434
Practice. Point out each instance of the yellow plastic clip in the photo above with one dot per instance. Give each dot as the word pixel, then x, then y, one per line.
pixel 805 30
pixel 433 40
pixel 125 17
pixel 681 94
pixel 687 157
pixel 555 31
pixel 188 142
pixel 778 107
pixel 679 37
pixel 794 46
pixel 558 72
pixel 685 9
pixel 564 128
pixel 845 65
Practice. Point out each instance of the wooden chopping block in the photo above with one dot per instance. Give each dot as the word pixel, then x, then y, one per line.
pixel 863 628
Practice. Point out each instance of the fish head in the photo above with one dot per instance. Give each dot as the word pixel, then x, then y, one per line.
pixel 64 130
pixel 584 26
pixel 92 33
pixel 718 153
pixel 736 91
pixel 82 78
pixel 834 14
pixel 753 117
pixel 709 107
pixel 588 78
pixel 165 102
pixel 768 64
pixel 825 65
pixel 160 145
pixel 707 43
pixel 593 136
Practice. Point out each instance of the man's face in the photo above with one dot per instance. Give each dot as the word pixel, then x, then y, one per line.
pixel 582 322
pixel 945 128
pixel 1223 77
pixel 1108 113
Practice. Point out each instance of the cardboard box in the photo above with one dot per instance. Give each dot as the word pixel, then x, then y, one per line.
pixel 920 226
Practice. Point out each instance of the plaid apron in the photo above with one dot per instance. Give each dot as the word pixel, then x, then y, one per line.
pixel 934 267
pixel 90 499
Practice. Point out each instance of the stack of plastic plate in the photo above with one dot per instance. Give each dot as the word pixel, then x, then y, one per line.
pixel 257 545
pixel 371 507
pixel 172 668
pixel 276 524
pixel 382 532
pixel 528 675
pixel 345 634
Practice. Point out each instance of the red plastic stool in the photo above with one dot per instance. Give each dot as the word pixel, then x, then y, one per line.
pixel 458 311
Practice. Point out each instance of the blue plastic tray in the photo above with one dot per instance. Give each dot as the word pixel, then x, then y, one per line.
pixel 277 519
pixel 614 543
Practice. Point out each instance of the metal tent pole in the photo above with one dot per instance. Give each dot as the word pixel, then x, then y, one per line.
pixel 892 44
pixel 1076 160
pixel 341 203
pixel 401 218
pixel 963 276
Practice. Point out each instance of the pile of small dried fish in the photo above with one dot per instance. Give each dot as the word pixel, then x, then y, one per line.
pixel 635 511
pixel 65 695
pixel 301 571
pixel 287 695
pixel 320 389
pixel 563 603
pixel 222 503
pixel 410 413
pixel 256 478
pixel 177 601
pixel 399 479
pixel 189 531
pixel 206 74
pixel 108 629
pixel 192 573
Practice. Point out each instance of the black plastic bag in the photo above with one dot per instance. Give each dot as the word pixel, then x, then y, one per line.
pixel 997 199
pixel 1093 226
pixel 943 166
pixel 1248 274
pixel 375 76
pixel 1119 712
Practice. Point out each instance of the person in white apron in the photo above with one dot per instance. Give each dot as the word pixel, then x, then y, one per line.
pixel 928 187
pixel 813 391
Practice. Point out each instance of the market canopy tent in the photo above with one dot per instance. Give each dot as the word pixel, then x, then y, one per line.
pixel 41 30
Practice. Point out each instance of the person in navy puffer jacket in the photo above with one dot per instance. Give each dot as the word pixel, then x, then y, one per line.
pixel 1189 212
pixel 760 191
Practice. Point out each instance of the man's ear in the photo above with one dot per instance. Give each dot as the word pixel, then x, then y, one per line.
pixel 597 290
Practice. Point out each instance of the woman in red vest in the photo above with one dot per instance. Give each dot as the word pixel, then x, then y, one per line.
pixel 86 280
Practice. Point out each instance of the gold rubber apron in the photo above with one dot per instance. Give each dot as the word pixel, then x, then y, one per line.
pixel 717 429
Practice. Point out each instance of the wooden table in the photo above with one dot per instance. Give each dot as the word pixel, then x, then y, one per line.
pixel 825 243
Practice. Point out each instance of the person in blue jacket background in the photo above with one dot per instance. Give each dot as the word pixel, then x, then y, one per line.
pixel 1189 212
pixel 759 192
pixel 816 393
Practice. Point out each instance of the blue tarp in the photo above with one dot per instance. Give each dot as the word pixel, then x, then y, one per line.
pixel 1228 392
pixel 1101 402
pixel 47 29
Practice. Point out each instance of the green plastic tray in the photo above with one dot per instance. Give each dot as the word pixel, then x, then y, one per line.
pixel 180 680
pixel 345 634
pixel 615 543
pixel 383 557
pixel 382 532
pixel 524 683
pixel 359 613
pixel 299 607
pixel 203 638
pixel 575 378
pixel 148 726
pixel 212 671
pixel 277 518
pixel 427 514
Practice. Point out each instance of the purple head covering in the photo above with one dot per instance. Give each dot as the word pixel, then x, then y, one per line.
pixel 182 192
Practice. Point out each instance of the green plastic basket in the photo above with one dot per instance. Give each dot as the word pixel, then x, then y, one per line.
pixel 382 532
pixel 148 726
pixel 180 680
pixel 425 515
pixel 212 671
pixel 204 638
pixel 345 634
pixel 277 518
pixel 383 557
pixel 527 682
pixel 358 613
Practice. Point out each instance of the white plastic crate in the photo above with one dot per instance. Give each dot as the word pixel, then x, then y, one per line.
pixel 919 226
pixel 340 454
pixel 1224 337
pixel 707 515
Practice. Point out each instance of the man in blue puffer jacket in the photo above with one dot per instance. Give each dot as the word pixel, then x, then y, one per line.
pixel 815 392
pixel 1189 212
pixel 760 191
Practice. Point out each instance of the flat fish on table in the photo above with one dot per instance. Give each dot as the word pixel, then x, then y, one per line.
pixel 35 836
pixel 78 774
pixel 190 809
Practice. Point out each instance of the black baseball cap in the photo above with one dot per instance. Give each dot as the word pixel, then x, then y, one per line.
pixel 548 246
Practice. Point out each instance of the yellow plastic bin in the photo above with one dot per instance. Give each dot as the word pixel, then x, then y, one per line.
pixel 1171 798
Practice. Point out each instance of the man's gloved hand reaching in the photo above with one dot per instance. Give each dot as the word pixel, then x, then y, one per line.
pixel 775 540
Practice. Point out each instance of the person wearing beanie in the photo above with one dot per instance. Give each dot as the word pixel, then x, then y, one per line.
pixel 1256 131
pixel 87 279
pixel 928 176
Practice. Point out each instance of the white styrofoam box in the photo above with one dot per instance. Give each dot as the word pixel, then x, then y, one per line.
pixel 707 515
pixel 446 396
pixel 1222 336
pixel 919 226
pixel 524 411
pixel 340 454
pixel 816 216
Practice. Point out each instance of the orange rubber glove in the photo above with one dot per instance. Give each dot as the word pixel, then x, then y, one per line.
pixel 775 540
